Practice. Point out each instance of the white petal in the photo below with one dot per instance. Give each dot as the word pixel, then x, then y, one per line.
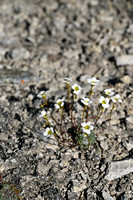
pixel 91 127
pixel 117 96
pixel 105 105
pixel 89 80
pixel 88 123
pixel 101 99
pixel 45 133
pixel 83 124
pixel 107 100
pixel 86 131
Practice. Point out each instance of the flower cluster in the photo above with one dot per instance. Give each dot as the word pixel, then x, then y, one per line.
pixel 104 101
pixel 85 127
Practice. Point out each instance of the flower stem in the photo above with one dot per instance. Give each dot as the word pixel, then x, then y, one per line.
pixel 62 115
pixel 113 107
pixel 62 110
pixel 83 112
pixel 1 179
pixel 91 91
pixel 88 140
pixel 98 114
pixel 46 103
pixel 70 107
pixel 87 114
pixel 55 135
pixel 48 122
pixel 88 108
pixel 98 117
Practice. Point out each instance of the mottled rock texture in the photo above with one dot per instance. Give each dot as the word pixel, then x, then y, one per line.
pixel 41 43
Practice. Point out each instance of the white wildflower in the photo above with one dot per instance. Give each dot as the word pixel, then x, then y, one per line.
pixel 104 102
pixel 44 114
pixel 76 88
pixel 48 131
pixel 59 103
pixel 67 80
pixel 86 101
pixel 87 127
pixel 116 98
pixel 93 81
pixel 42 94
pixel 109 92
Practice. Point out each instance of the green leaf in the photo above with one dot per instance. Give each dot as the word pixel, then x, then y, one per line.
pixel 92 138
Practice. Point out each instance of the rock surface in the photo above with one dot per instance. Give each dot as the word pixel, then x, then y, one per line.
pixel 41 43
pixel 106 196
pixel 120 168
pixel 124 60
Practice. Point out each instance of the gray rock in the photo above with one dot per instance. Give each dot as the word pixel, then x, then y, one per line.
pixel 107 196
pixel 124 60
pixel 130 50
pixel 77 186
pixel 20 53
pixel 53 40
pixel 1 66
pixel 129 145
pixel 93 2
pixel 119 169
pixel 2 52
pixel 90 195
pixel 126 79
pixel 72 195
pixel 129 122
pixel 10 42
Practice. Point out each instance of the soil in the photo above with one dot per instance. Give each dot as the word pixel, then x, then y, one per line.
pixel 41 43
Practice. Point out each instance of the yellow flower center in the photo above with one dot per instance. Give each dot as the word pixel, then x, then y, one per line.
pixel 76 88
pixel 87 127
pixel 49 132
pixel 59 103
pixel 86 101
pixel 103 102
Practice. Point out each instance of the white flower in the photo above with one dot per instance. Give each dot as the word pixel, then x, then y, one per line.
pixel 76 88
pixel 67 80
pixel 87 127
pixel 93 81
pixel 48 131
pixel 86 101
pixel 42 94
pixel 116 98
pixel 59 103
pixel 104 101
pixel 44 114
pixel 109 92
